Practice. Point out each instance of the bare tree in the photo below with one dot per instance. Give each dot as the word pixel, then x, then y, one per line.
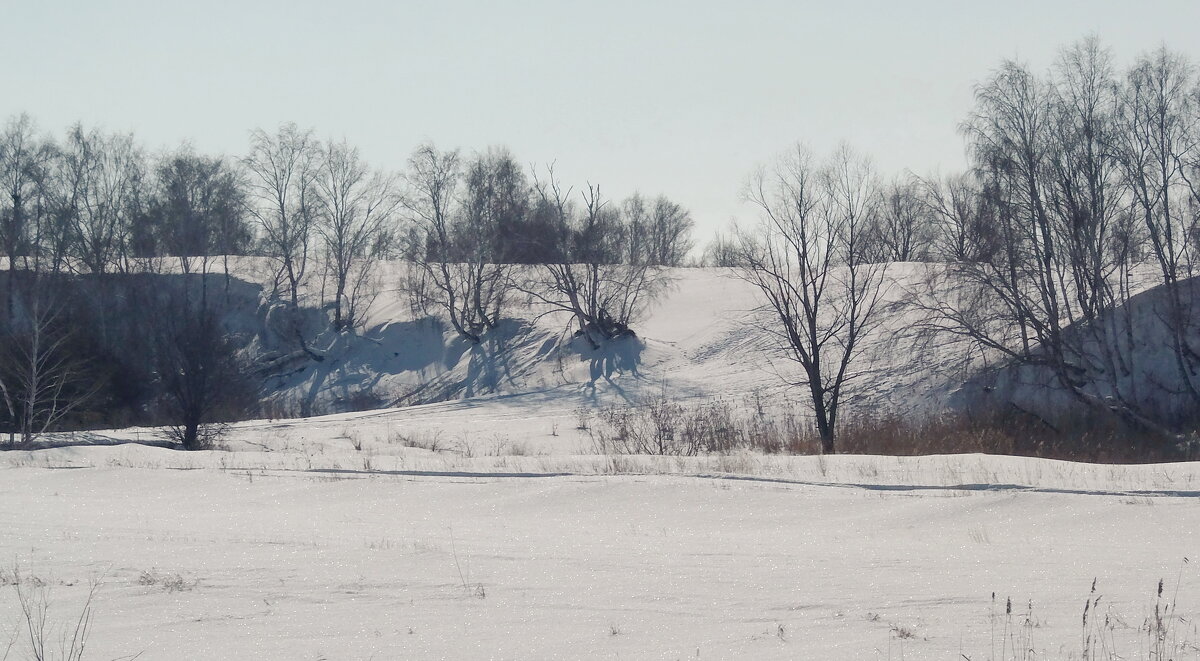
pixel 196 209
pixel 354 210
pixel 1157 143
pixel 670 233
pixel 1085 193
pixel 806 260
pixel 203 379
pixel 24 171
pixel 903 230
pixel 723 251
pixel 495 208
pixel 657 231
pixel 964 230
pixel 1010 134
pixel 99 180
pixel 281 170
pixel 586 278
pixel 456 268
pixel 41 381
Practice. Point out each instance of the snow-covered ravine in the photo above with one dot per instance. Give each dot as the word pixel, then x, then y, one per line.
pixel 330 539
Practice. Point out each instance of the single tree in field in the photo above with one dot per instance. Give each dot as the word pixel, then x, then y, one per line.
pixel 355 208
pixel 806 261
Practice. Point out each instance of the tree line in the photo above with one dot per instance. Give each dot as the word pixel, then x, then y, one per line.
pixel 96 202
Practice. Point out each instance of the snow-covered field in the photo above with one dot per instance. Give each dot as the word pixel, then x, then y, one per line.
pixel 296 545
pixel 492 527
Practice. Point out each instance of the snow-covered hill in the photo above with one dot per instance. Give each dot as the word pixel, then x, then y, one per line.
pixel 703 338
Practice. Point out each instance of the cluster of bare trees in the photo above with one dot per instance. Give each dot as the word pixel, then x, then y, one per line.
pixel 1081 175
pixel 603 269
pixel 1082 192
pixel 94 202
pixel 309 197
pixel 483 230
pixel 914 220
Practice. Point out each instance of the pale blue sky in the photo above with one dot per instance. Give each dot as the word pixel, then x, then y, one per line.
pixel 682 98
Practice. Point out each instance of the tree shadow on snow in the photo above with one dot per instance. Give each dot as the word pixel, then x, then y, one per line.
pixel 613 357
pixel 355 364
pixel 490 361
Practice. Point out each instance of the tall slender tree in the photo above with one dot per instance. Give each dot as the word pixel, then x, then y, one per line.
pixel 355 210
pixel 806 261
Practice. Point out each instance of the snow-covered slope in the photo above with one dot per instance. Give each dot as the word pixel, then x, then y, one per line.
pixel 703 338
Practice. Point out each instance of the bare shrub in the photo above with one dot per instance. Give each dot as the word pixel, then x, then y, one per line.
pixel 1097 440
pixel 501 446
pixel 936 435
pixel 41 633
pixel 166 581
pixel 431 441
pixel 583 416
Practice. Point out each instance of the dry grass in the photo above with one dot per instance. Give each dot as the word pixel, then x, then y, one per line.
pixel 1104 635
pixel 665 427
pixel 425 440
